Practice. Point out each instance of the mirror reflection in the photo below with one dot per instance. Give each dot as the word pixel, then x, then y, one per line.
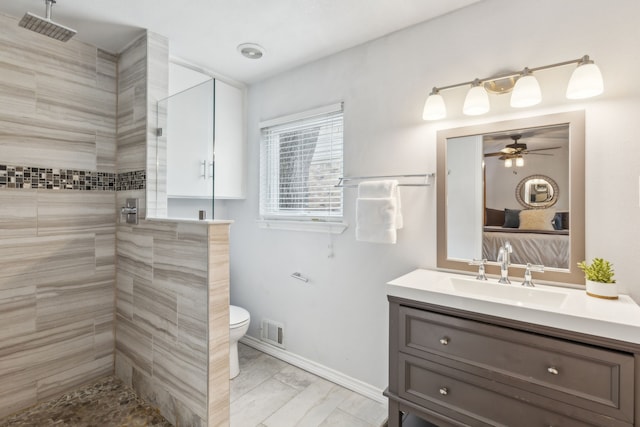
pixel 533 211
pixel 537 191
pixel 516 184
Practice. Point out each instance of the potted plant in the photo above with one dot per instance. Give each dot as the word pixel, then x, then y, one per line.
pixel 600 281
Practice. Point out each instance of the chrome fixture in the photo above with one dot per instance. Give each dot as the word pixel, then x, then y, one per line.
pixel 129 212
pixel 504 258
pixel 251 50
pixel 46 26
pixel 528 282
pixel 585 82
pixel 481 271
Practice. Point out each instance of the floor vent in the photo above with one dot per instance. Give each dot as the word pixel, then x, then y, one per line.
pixel 272 333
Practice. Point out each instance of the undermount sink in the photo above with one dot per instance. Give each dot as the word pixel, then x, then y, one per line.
pixel 513 294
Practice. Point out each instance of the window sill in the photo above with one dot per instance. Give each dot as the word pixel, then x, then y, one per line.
pixel 313 226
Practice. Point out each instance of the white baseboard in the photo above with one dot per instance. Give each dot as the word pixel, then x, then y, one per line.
pixel 322 371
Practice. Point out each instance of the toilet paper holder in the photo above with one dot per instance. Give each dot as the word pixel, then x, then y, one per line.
pixel 299 276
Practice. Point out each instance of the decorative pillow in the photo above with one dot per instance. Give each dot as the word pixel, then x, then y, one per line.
pixel 511 218
pixel 537 219
pixel 557 221
pixel 494 217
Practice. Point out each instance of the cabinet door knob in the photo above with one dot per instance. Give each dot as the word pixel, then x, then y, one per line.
pixel 444 340
pixel 552 370
pixel 444 391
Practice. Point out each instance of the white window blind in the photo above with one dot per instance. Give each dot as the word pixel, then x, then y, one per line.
pixel 300 164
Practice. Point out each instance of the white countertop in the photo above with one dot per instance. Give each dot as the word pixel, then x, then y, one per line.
pixel 616 319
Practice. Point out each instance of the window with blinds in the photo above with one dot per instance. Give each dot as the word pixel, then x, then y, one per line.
pixel 300 164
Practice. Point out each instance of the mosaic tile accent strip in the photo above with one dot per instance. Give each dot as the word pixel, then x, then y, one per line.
pixel 28 177
pixel 34 178
pixel 135 180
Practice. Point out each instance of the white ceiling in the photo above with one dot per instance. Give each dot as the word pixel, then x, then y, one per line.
pixel 206 33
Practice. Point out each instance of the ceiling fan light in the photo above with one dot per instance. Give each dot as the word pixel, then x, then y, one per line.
pixel 508 163
pixel 434 108
pixel 476 101
pixel 519 161
pixel 586 81
pixel 526 92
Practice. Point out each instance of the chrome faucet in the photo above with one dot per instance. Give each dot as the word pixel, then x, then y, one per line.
pixel 481 271
pixel 504 258
pixel 528 280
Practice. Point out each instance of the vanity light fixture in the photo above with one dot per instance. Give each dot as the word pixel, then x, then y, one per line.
pixel 526 91
pixel 434 108
pixel 585 82
pixel 477 100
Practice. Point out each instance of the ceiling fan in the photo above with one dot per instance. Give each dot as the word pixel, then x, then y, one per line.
pixel 517 149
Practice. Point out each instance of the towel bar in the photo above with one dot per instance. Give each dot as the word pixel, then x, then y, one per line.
pixel 342 182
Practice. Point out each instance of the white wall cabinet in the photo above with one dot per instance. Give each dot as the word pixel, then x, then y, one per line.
pixel 190 136
pixel 229 145
pixel 205 138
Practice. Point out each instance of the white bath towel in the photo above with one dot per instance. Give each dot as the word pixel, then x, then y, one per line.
pixel 378 213
pixel 383 189
pixel 376 220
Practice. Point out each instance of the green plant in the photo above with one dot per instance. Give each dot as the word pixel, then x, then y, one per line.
pixel 599 271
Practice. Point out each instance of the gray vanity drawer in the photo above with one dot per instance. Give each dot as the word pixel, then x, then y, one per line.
pixel 444 389
pixel 580 375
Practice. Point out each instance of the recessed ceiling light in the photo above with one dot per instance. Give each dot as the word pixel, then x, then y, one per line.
pixel 251 50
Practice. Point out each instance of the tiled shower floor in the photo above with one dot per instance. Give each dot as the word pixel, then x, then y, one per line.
pixel 267 393
pixel 107 402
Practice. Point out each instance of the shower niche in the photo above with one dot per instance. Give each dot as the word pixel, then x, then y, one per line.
pixel 200 149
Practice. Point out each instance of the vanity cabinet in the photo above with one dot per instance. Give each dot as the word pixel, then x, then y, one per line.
pixel 456 368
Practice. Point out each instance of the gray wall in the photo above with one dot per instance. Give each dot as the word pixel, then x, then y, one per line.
pixel 339 319
pixel 57 245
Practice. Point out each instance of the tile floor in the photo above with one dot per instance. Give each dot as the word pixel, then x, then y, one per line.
pixel 271 393
pixel 267 393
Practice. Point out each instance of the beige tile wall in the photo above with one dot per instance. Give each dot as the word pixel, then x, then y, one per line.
pixel 172 322
pixel 172 327
pixel 57 247
pixel 58 279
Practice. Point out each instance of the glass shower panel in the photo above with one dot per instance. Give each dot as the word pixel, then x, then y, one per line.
pixel 188 132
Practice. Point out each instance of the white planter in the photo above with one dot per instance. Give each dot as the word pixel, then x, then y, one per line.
pixel 602 290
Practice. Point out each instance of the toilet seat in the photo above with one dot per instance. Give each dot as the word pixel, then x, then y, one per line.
pixel 238 316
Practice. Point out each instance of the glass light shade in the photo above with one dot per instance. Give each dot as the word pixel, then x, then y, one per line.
pixel 434 108
pixel 508 163
pixel 585 82
pixel 526 92
pixel 519 161
pixel 476 102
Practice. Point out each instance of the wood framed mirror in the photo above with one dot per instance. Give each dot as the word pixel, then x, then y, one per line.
pixel 467 197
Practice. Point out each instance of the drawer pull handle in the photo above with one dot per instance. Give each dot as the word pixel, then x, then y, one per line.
pixel 444 340
pixel 552 370
pixel 444 391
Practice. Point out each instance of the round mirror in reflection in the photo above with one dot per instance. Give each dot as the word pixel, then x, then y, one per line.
pixel 537 192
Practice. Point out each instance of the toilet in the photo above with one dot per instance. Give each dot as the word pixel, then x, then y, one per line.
pixel 239 319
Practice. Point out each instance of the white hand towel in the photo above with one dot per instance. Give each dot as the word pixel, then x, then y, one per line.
pixel 376 220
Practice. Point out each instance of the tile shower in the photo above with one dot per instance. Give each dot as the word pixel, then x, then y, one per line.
pixel 74 126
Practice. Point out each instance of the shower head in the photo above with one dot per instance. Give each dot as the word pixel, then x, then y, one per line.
pixel 46 26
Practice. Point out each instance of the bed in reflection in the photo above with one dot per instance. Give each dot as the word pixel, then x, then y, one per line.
pixel 538 236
